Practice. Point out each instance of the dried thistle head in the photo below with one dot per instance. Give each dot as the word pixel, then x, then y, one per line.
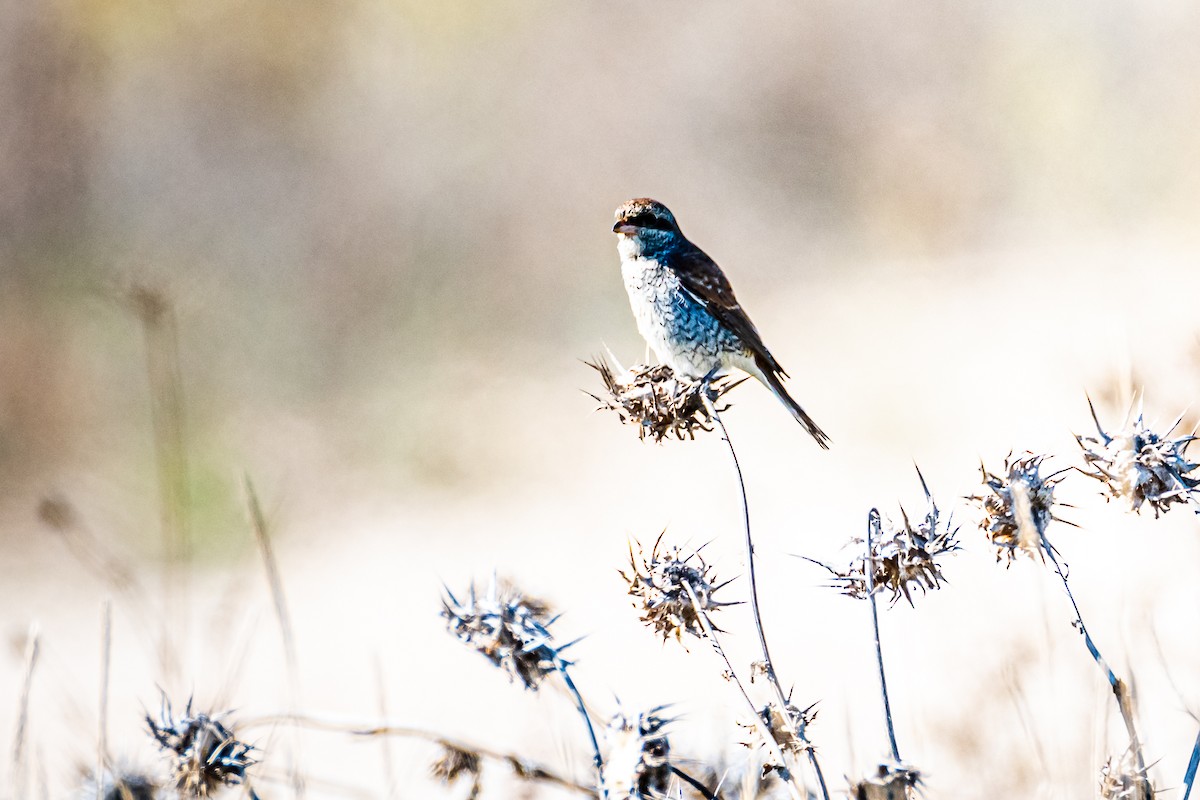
pixel 890 782
pixel 206 754
pixel 1017 505
pixel 901 556
pixel 123 784
pixel 789 730
pixel 658 402
pixel 455 763
pixel 1138 466
pixel 638 765
pixel 1122 779
pixel 659 584
pixel 510 629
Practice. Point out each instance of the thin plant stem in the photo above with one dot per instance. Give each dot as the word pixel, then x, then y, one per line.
pixel 597 759
pixel 389 767
pixel 873 523
pixel 1189 778
pixel 768 664
pixel 262 536
pixel 105 665
pixel 763 729
pixel 32 649
pixel 526 769
pixel 704 791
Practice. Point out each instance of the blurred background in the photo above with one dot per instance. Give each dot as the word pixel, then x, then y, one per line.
pixel 357 250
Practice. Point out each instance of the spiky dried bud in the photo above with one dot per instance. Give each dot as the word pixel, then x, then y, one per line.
pixel 638 764
pixel 658 402
pixel 788 727
pixel 1122 779
pixel 891 782
pixel 121 785
pixel 1138 466
pixel 510 629
pixel 206 754
pixel 1017 506
pixel 456 762
pixel 902 556
pixel 659 584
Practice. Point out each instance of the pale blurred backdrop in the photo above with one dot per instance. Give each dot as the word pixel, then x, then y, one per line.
pixel 380 230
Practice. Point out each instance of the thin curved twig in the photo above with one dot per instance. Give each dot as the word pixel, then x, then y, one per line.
pixel 768 664
pixel 873 526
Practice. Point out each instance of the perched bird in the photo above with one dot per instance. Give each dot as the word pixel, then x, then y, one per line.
pixel 685 307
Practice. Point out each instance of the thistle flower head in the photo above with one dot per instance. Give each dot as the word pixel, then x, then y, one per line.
pixel 901 556
pixel 659 584
pixel 511 630
pixel 1017 506
pixel 456 762
pixel 638 763
pixel 788 727
pixel 1138 466
pixel 206 754
pixel 1122 779
pixel 890 782
pixel 657 401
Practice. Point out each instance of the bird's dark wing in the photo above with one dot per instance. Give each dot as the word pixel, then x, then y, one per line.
pixel 700 277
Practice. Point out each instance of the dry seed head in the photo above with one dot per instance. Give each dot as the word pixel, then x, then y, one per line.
pixel 660 404
pixel 659 585
pixel 207 755
pixel 902 556
pixel 455 763
pixel 1138 466
pixel 511 630
pixel 638 763
pixel 1121 779
pixel 1017 506
pixel 789 732
pixel 891 782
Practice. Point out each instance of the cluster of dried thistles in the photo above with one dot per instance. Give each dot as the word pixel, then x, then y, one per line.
pixel 511 630
pixel 660 584
pixel 890 782
pixel 1017 506
pixel 1138 466
pixel 657 401
pixel 206 754
pixel 901 556
pixel 638 765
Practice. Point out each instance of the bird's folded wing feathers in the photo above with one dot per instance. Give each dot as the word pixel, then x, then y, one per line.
pixel 701 278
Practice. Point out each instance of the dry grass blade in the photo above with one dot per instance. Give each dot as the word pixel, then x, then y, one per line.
pixel 19 760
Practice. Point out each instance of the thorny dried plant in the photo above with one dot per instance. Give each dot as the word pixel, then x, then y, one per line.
pixel 508 628
pixel 122 785
pixel 456 762
pixel 890 782
pixel 207 755
pixel 659 583
pixel 638 764
pixel 903 556
pixel 1122 779
pixel 790 732
pixel 1138 466
pixel 657 401
pixel 1017 506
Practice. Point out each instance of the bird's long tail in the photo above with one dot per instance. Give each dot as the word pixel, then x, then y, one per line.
pixel 773 382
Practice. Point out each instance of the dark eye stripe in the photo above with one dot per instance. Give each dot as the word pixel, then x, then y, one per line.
pixel 648 220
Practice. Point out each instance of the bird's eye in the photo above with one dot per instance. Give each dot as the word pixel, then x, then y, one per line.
pixel 647 220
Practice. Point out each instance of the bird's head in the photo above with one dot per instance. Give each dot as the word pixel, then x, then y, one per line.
pixel 646 225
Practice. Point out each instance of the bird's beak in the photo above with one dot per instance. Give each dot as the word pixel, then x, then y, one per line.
pixel 623 227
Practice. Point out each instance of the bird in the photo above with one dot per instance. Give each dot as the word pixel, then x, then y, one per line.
pixel 685 308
